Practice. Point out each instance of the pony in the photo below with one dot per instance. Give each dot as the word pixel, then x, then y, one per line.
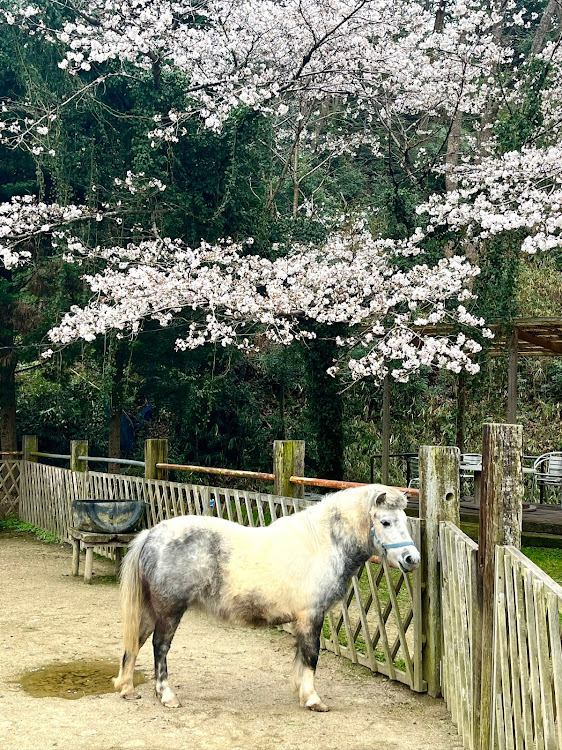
pixel 291 571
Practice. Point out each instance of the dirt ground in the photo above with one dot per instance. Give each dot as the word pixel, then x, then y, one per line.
pixel 232 682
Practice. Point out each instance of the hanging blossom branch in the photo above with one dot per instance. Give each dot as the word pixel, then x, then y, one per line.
pixel 519 190
pixel 25 218
pixel 227 297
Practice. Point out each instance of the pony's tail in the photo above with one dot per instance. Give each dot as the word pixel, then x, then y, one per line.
pixel 131 593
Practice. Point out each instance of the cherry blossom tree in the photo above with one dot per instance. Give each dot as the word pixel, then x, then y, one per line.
pixel 408 74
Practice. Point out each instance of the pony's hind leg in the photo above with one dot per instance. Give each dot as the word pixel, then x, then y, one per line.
pixel 124 680
pixel 307 633
pixel 164 631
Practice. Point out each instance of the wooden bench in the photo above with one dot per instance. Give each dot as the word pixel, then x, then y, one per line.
pixel 88 540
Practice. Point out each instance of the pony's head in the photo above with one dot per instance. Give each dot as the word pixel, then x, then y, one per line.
pixel 389 527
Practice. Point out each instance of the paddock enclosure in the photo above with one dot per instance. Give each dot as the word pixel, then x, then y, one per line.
pixel 232 682
pixel 379 625
pixel 480 625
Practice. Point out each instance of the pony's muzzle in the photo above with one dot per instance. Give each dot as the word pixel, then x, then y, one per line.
pixel 409 559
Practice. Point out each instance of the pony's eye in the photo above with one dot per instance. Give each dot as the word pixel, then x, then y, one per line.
pixel 385 523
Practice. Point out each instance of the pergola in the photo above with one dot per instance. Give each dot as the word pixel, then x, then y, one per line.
pixel 525 337
pixel 530 337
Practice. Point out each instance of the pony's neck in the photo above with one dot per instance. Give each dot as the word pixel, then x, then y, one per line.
pixel 348 524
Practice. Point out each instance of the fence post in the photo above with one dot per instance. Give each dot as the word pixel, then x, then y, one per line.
pixel 439 501
pixel 80 448
pixel 29 444
pixel 288 461
pixel 501 498
pixel 155 452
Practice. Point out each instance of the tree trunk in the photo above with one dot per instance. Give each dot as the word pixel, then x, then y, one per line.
pixel 116 408
pixel 324 407
pixel 490 112
pixel 8 362
pixel 552 9
pixel 453 151
pixel 461 411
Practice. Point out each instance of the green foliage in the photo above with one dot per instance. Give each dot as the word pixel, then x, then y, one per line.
pixel 550 560
pixel 14 524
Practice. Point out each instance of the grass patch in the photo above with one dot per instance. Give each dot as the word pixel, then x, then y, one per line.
pixel 14 524
pixel 550 560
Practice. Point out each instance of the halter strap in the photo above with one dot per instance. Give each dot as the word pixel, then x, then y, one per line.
pixel 394 545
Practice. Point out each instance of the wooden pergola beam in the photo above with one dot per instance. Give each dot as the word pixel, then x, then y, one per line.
pixel 540 341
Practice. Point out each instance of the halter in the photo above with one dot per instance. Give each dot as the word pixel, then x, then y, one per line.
pixel 394 545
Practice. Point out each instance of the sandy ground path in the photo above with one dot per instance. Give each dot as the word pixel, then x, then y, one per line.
pixel 232 682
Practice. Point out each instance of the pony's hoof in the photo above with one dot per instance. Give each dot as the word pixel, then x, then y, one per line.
pixel 130 695
pixel 167 698
pixel 315 704
pixel 172 703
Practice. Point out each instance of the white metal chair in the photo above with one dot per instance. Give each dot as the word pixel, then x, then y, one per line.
pixel 414 471
pixel 547 472
pixel 469 463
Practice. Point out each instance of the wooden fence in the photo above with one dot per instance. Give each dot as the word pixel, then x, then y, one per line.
pixel 461 631
pixel 377 625
pixel 527 666
pixel 526 699
pixel 9 488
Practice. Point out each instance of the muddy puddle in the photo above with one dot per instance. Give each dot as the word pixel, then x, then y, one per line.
pixel 72 680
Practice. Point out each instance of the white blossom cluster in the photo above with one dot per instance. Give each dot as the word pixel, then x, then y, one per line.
pixel 385 57
pixel 232 298
pixel 25 218
pixel 520 190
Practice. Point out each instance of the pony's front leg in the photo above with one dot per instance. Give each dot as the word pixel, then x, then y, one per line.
pixel 162 640
pixel 307 633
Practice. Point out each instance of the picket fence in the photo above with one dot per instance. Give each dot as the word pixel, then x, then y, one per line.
pixel 526 697
pixel 378 625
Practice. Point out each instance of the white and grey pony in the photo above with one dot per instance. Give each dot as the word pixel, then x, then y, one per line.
pixel 292 571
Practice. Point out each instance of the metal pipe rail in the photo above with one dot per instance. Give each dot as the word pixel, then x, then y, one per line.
pixel 11 453
pixel 123 461
pixel 221 472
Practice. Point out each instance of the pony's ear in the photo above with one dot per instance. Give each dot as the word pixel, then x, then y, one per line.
pixel 379 499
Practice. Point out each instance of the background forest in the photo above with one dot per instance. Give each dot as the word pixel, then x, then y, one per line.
pixel 219 406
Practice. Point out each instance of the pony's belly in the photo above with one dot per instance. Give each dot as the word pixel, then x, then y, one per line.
pixel 251 608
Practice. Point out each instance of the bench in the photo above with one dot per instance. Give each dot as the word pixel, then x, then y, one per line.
pixel 90 539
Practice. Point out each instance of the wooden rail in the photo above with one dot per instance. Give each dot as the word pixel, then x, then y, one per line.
pixel 336 484
pixel 221 472
pixel 120 461
pixel 40 454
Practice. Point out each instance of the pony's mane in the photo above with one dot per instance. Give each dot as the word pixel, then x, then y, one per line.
pixel 394 500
